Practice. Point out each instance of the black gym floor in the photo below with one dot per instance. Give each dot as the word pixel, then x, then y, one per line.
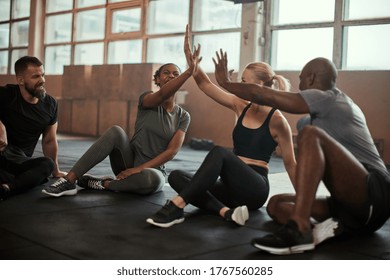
pixel 100 225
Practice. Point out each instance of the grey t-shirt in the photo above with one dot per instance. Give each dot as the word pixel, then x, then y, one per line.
pixel 341 118
pixel 154 129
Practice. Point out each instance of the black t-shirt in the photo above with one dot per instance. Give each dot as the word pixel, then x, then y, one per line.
pixel 25 122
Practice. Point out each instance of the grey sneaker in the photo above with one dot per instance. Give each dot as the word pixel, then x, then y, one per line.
pixel 239 215
pixel 94 183
pixel 167 216
pixel 60 187
pixel 325 230
pixel 287 240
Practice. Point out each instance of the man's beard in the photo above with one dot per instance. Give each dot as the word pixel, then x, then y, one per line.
pixel 37 91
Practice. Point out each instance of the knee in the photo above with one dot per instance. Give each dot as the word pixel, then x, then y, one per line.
pixel 155 181
pixel 116 130
pixel 177 179
pixel 218 151
pixel 174 177
pixel 308 133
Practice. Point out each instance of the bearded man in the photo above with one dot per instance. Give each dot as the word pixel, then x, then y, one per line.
pixel 26 113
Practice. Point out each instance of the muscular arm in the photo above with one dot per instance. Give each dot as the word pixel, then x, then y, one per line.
pixel 291 102
pixel 167 155
pixel 50 148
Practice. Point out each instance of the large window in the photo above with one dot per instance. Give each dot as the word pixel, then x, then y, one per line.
pixel 14 32
pixel 215 24
pixel 355 34
pixel 116 31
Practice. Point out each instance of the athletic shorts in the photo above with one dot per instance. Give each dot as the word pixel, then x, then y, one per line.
pixel 378 206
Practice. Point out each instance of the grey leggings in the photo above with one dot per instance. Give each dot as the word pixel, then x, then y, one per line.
pixel 116 144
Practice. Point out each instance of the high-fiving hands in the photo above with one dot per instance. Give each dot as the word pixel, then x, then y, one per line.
pixel 193 58
pixel 222 75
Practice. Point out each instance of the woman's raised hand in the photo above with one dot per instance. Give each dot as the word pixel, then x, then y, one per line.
pixel 193 58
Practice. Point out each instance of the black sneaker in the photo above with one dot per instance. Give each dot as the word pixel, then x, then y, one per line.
pixel 167 216
pixel 287 240
pixel 60 187
pixel 94 183
pixel 327 229
pixel 239 215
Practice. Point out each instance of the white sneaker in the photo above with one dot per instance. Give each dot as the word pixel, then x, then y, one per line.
pixel 240 215
pixel 325 230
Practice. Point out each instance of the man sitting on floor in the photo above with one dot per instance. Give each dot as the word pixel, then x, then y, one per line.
pixel 337 149
pixel 26 112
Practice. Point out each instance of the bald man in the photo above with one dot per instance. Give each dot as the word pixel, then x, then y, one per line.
pixel 336 148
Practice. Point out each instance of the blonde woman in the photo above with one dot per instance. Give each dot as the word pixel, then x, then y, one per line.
pixel 231 182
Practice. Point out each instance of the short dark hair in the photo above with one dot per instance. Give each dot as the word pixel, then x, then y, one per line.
pixel 22 63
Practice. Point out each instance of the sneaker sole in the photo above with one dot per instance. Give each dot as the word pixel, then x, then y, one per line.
pixel 69 192
pixel 240 217
pixel 325 230
pixel 287 250
pixel 165 225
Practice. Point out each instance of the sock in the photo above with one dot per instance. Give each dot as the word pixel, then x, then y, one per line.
pixel 228 215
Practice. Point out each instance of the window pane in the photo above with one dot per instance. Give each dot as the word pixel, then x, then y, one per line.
pixel 89 3
pixel 229 42
pixel 361 9
pixel 4 35
pixel 90 25
pixel 15 55
pixel 19 33
pixel 366 47
pixel 89 54
pixel 166 50
pixel 3 62
pixel 126 20
pixel 56 58
pixel 292 49
pixel 58 28
pixel 58 5
pixel 168 16
pixel 20 8
pixel 216 14
pixel 5 8
pixel 302 11
pixel 125 52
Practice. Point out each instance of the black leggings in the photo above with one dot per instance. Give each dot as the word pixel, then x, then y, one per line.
pixel 222 180
pixel 24 176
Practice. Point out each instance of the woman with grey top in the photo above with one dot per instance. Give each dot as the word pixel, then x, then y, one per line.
pixel 138 164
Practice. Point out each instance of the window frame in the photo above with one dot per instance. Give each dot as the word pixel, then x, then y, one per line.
pixel 10 47
pixel 338 26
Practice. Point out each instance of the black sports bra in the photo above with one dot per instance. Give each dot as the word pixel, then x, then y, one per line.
pixel 254 143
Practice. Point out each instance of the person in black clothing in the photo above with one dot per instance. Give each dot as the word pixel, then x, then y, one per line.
pixel 26 113
pixel 230 183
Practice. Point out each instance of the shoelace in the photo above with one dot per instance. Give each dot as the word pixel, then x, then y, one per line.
pixel 95 184
pixel 59 182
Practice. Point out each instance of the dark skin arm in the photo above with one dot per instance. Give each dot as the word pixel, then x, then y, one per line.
pixel 291 102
